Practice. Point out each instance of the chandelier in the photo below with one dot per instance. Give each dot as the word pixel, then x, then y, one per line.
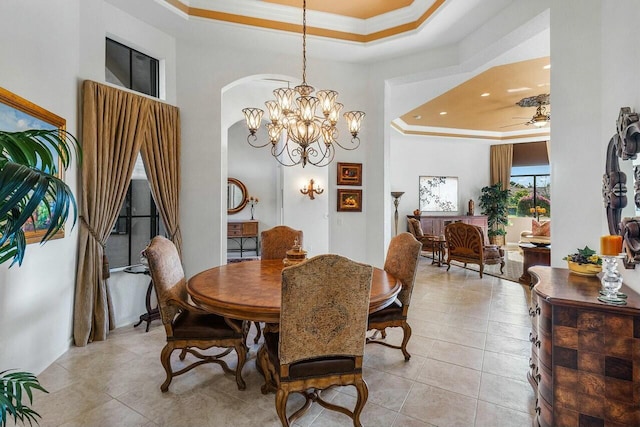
pixel 296 134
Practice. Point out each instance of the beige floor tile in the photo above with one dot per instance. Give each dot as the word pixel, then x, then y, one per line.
pixel 393 363
pixel 404 421
pixel 460 336
pixel 105 416
pixel 439 407
pixel 506 365
pixel 372 415
pixel 386 390
pixel 450 377
pixel 517 347
pixel 68 403
pixel 506 392
pixel 490 415
pixel 509 330
pixel 457 354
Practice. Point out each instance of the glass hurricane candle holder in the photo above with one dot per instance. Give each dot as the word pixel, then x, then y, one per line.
pixel 611 281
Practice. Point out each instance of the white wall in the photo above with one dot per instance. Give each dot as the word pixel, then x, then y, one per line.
pixel 414 156
pixel 594 61
pixel 46 56
pixel 40 61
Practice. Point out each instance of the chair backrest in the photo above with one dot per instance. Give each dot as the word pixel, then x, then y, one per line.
pixel 324 310
pixel 402 263
pixel 415 227
pixel 464 239
pixel 167 275
pixel 276 241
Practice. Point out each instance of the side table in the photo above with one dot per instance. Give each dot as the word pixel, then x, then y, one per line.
pixel 152 313
pixel 438 245
pixel 533 255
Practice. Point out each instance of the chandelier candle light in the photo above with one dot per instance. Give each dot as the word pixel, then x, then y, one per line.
pixel 611 248
pixel 307 138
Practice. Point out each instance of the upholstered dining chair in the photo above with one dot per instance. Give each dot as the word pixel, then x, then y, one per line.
pixel 465 243
pixel 402 263
pixel 321 337
pixel 188 327
pixel 274 243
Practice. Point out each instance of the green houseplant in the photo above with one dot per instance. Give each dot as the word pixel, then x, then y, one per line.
pixel 12 387
pixel 28 167
pixel 29 162
pixel 494 201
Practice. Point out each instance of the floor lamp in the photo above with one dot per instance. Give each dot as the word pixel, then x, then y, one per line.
pixel 396 201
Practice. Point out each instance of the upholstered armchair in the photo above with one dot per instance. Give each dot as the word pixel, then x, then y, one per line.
pixel 320 343
pixel 402 263
pixel 465 243
pixel 187 326
pixel 415 228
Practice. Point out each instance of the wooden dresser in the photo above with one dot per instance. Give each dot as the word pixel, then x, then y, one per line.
pixel 435 224
pixel 241 230
pixel 585 355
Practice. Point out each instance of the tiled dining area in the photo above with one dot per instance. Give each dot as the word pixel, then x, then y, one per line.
pixel 470 355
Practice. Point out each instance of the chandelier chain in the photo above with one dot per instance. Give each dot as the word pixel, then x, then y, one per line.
pixel 304 42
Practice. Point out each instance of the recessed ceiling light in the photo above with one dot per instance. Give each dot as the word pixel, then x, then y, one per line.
pixel 485 94
pixel 546 67
pixel 518 89
pixel 417 117
pixel 443 113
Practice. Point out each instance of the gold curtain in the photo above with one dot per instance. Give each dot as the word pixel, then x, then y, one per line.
pixel 113 127
pixel 501 159
pixel 161 156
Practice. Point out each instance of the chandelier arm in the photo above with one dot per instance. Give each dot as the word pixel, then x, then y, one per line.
pixel 323 157
pixel 355 140
pixel 254 138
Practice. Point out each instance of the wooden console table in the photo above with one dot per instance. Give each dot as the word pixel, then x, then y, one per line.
pixel 533 255
pixel 243 229
pixel 435 225
pixel 585 362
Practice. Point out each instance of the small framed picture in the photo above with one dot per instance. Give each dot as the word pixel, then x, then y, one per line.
pixel 349 200
pixel 349 173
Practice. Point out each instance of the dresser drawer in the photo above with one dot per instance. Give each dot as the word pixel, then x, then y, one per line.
pixel 234 229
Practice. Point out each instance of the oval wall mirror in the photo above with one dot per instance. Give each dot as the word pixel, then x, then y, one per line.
pixel 236 196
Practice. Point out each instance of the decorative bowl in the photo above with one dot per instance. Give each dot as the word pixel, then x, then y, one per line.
pixel 584 269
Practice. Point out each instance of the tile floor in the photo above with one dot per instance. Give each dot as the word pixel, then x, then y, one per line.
pixel 469 361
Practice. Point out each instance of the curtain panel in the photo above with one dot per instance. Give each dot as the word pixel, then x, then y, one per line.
pixel 115 125
pixel 500 164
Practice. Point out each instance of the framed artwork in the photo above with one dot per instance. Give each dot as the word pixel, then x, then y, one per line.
pixel 438 193
pixel 349 200
pixel 18 114
pixel 349 173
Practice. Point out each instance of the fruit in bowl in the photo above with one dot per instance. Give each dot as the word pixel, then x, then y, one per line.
pixel 584 262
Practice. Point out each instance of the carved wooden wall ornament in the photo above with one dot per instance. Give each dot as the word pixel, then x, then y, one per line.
pixel 625 145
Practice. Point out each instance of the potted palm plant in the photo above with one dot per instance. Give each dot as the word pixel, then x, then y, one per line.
pixel 28 167
pixel 494 201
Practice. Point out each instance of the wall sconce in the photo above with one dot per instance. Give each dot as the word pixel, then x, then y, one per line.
pixel 310 191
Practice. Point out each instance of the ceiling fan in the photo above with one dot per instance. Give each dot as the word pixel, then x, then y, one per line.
pixel 542 115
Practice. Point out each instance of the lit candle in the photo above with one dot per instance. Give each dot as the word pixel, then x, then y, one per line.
pixel 610 245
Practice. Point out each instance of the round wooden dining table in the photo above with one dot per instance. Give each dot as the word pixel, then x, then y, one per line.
pixel 251 290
